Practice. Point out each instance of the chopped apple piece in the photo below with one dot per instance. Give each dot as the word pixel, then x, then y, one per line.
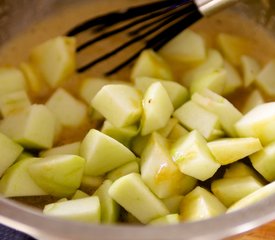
pixel 139 143
pixel 233 47
pixel 90 183
pixel 160 173
pixel 177 93
pixel 36 129
pixel 58 175
pixel 168 219
pixel 103 153
pixel 17 182
pixel 186 47
pixel 199 205
pixel 254 197
pixel 13 102
pixel 229 150
pixel 228 115
pixel 231 190
pixel 233 79
pixel 55 60
pixel 123 134
pixel 214 81
pixel 264 162
pixel 68 110
pixel 250 69
pixel 150 64
pixel 157 109
pixel 193 157
pixel 173 203
pixel 177 132
pixel 254 99
pixel 82 210
pixel 79 194
pixel 139 197
pixel 165 131
pixel 265 79
pixel 131 167
pixel 119 104
pixel 71 148
pixel 109 208
pixel 193 116
pixel 212 63
pixel 259 123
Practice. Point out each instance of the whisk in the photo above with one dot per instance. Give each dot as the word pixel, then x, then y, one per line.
pixel 152 25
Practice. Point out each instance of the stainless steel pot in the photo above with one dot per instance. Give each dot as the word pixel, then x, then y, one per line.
pixel 15 15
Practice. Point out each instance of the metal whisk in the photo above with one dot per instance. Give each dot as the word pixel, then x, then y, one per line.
pixel 153 24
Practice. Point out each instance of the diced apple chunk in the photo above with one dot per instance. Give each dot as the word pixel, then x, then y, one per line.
pixel 55 60
pixel 229 150
pixel 177 132
pixel 36 129
pixel 68 110
pixel 58 175
pixel 254 197
pixel 259 123
pixel 83 210
pixel 131 167
pixel 193 116
pixel 265 79
pixel 109 208
pixel 157 109
pixel 173 203
pixel 71 148
pixel 264 161
pixel 165 131
pixel 119 104
pixel 186 47
pixel 168 219
pixel 250 69
pixel 228 115
pixel 233 79
pixel 13 102
pixel 11 80
pixel 199 205
pixel 90 183
pixel 231 190
pixel 150 64
pixel 160 173
pixel 103 153
pixel 79 194
pixel 193 157
pixel 254 99
pixel 133 195
pixel 139 143
pixel 17 182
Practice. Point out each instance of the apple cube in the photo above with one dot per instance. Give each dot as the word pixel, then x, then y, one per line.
pixel 233 79
pixel 227 114
pixel 82 210
pixel 123 134
pixel 254 99
pixel 165 131
pixel 193 157
pixel 89 183
pixel 160 173
pixel 212 63
pixel 119 104
pixel 109 208
pixel 13 102
pixel 150 64
pixel 103 153
pixel 79 194
pixel 173 203
pixel 177 132
pixel 231 190
pixel 259 123
pixel 186 47
pixel 193 116
pixel 229 150
pixel 134 196
pixel 68 110
pixel 58 175
pixel 157 109
pixel 131 167
pixel 11 80
pixel 168 219
pixel 250 69
pixel 139 143
pixel 55 60
pixel 71 148
pixel 265 79
pixel 199 205
pixel 254 197
pixel 214 81
pixel 17 182
pixel 177 93
pixel 36 129
pixel 263 161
